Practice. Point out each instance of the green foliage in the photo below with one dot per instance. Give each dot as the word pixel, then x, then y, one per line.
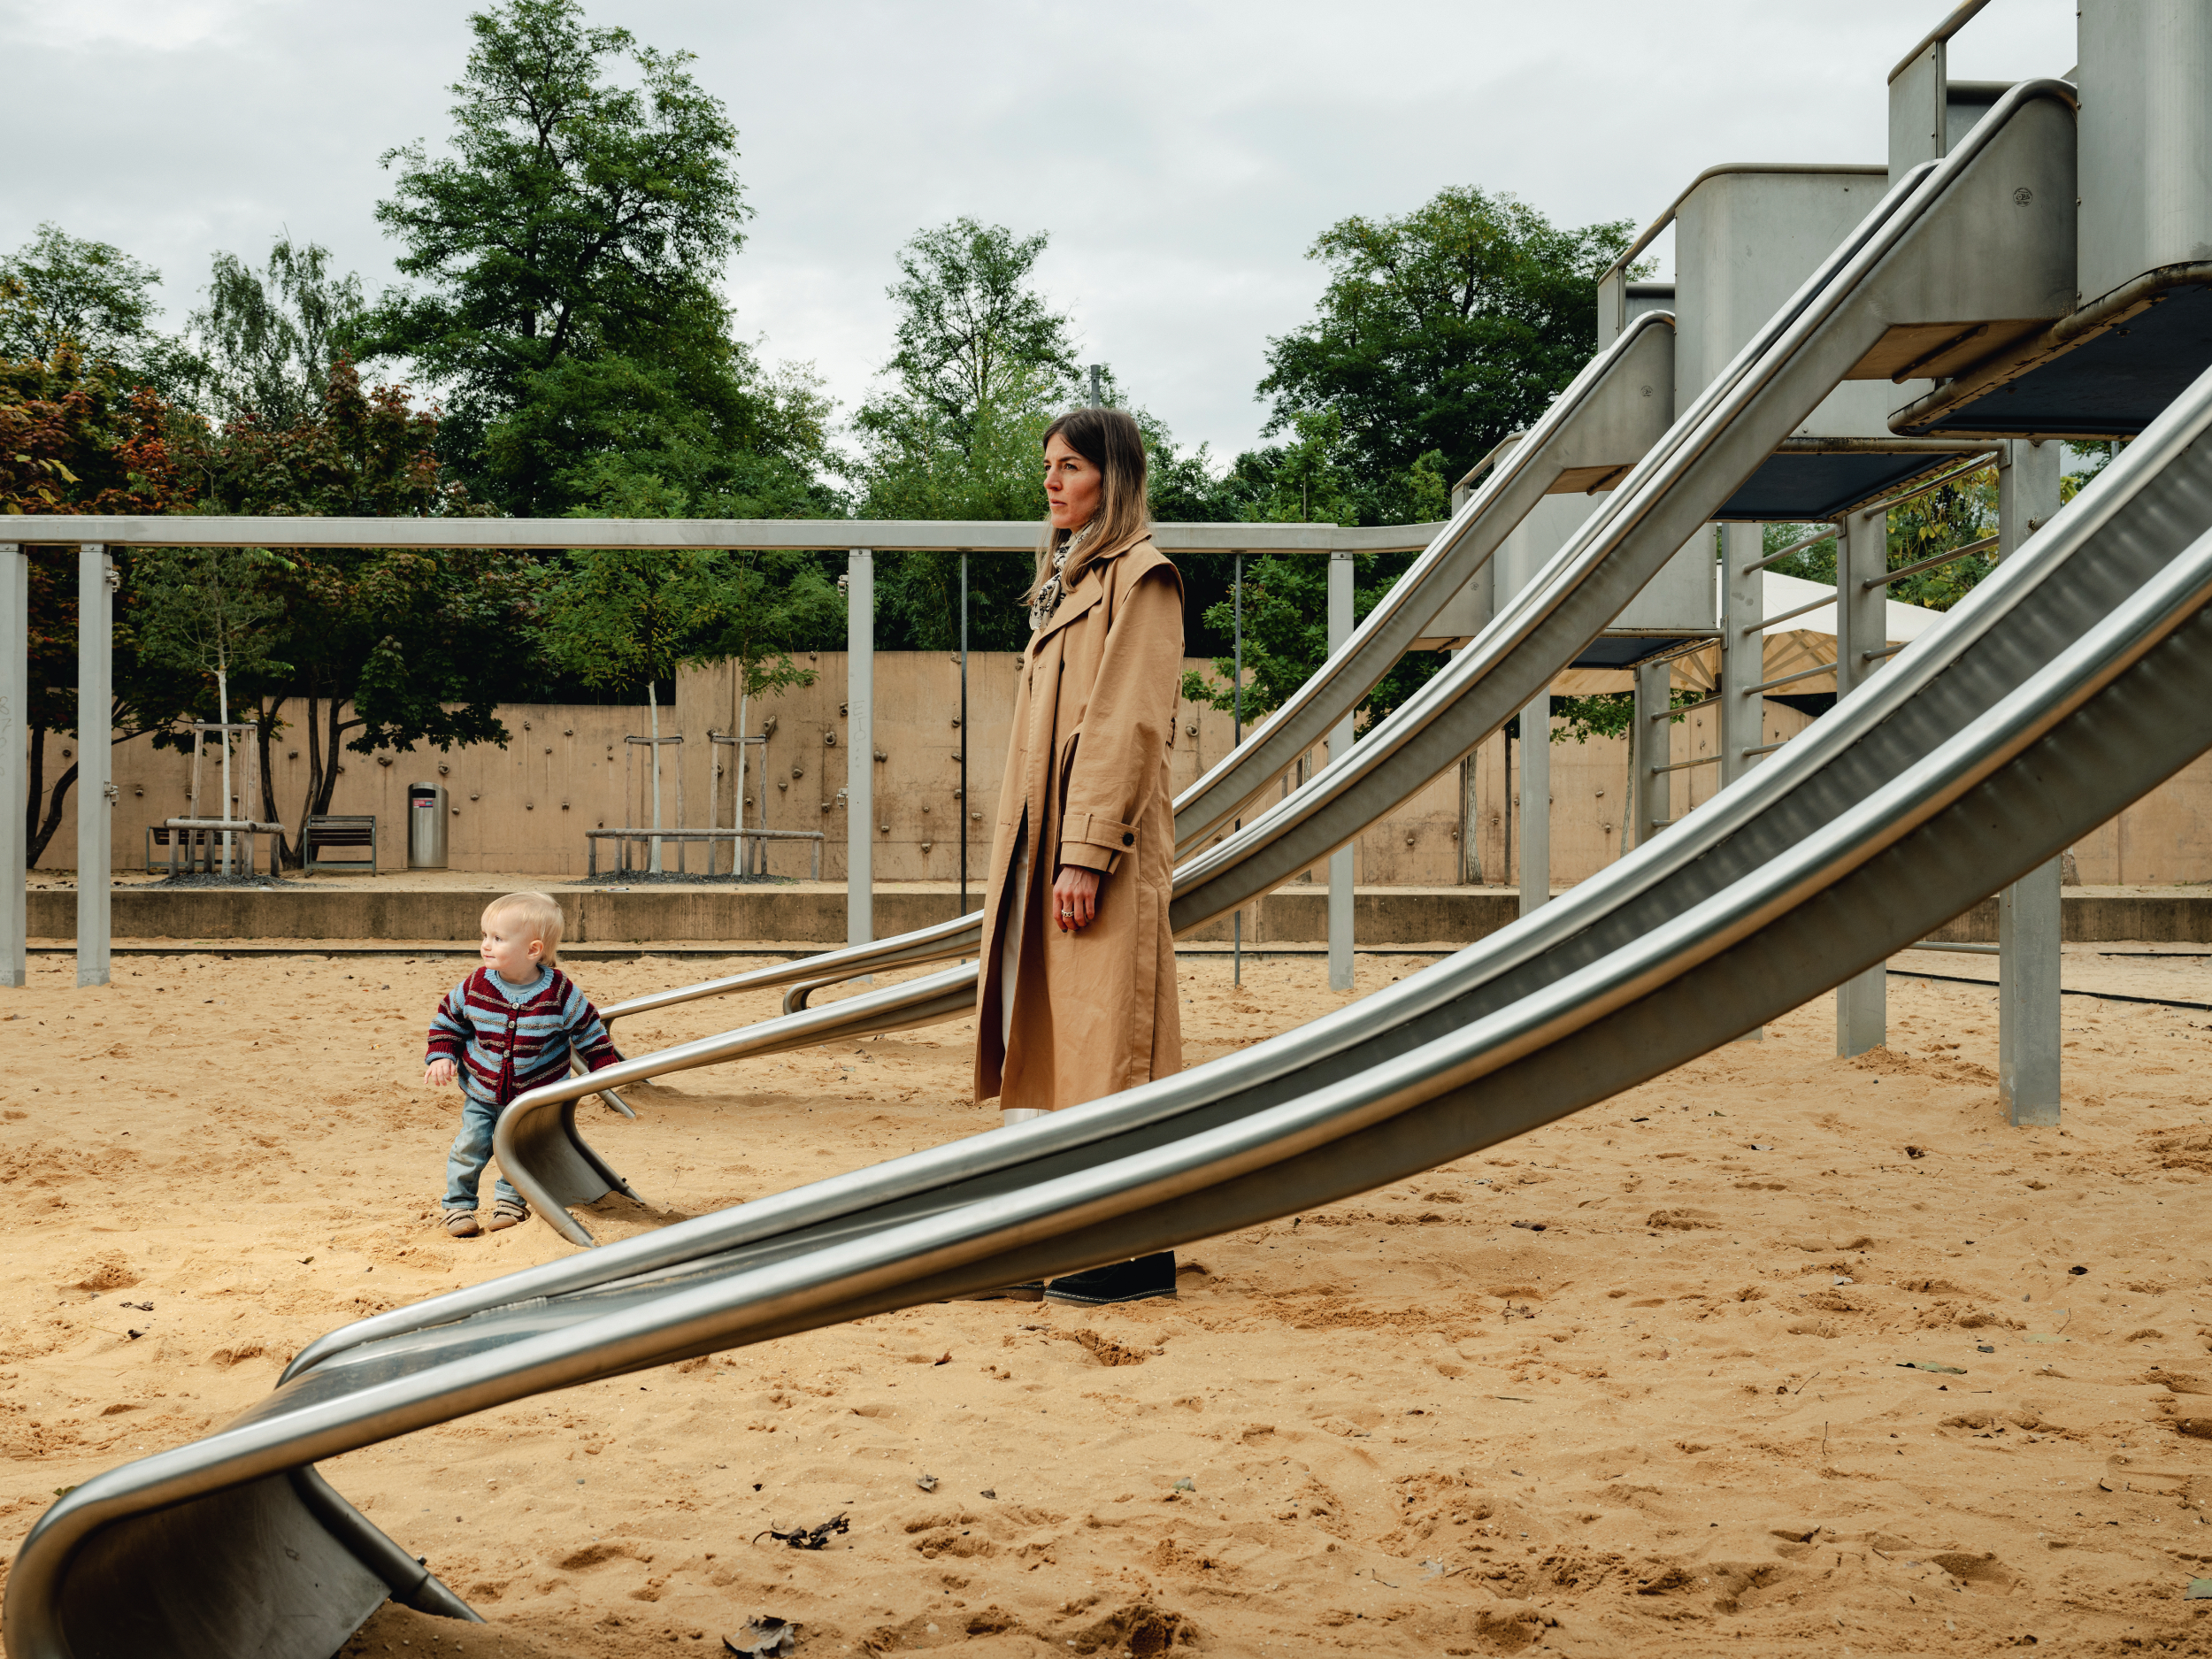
pixel 570 247
pixel 377 648
pixel 976 340
pixel 616 616
pixel 1441 331
pixel 206 611
pixel 59 291
pixel 365 455
pixel 956 430
pixel 270 338
pixel 643 448
pixel 769 605
pixel 74 438
pixel 1960 513
pixel 1606 713
pixel 1285 635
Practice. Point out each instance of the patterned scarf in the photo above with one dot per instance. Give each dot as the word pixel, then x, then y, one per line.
pixel 1055 589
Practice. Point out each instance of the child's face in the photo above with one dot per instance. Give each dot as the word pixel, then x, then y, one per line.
pixel 508 950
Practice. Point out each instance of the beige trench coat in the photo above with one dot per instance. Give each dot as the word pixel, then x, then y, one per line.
pixel 1086 783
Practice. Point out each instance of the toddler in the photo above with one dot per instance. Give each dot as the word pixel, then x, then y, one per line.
pixel 505 1030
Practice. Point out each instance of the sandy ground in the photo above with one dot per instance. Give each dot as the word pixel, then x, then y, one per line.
pixel 1646 1382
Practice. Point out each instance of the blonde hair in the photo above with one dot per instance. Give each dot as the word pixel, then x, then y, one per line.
pixel 1110 442
pixel 537 911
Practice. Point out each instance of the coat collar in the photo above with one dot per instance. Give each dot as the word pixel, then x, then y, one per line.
pixel 1090 587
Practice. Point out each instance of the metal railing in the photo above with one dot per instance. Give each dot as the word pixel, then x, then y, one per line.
pixel 623 837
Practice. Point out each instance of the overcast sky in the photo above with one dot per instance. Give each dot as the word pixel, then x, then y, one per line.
pixel 1182 156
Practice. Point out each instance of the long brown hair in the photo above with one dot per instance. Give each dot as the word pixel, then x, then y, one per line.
pixel 1110 442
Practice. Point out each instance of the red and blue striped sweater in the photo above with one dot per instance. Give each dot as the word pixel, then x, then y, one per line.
pixel 505 1047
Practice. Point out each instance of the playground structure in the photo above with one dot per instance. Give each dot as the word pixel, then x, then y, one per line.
pixel 2067 684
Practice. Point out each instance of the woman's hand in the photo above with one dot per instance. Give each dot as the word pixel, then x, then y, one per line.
pixel 1074 898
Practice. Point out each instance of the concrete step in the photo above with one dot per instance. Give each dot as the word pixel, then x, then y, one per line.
pixel 813 914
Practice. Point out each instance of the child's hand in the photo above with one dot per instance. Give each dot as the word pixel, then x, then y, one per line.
pixel 438 1073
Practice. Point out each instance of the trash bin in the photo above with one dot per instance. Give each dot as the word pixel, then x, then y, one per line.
pixel 425 825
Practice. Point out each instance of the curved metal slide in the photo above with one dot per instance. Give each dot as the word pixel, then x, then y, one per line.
pixel 2068 684
pixel 1908 263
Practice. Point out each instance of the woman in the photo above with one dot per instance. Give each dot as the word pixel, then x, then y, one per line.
pixel 1079 995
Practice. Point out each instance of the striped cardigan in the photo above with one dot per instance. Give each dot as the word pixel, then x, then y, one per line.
pixel 504 1047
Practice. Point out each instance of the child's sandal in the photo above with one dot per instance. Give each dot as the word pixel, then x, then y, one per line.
pixel 461 1224
pixel 506 1213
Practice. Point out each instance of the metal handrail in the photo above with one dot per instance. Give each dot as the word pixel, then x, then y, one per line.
pixel 1791 550
pixel 1960 17
pixel 881 535
pixel 1783 616
pixel 1788 680
pixel 1903 571
pixel 1887 502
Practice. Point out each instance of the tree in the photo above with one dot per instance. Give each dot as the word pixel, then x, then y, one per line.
pixel 975 338
pixel 570 247
pixel 59 290
pixel 73 439
pixel 1441 330
pixel 271 337
pixel 983 365
pixel 204 611
pixel 379 648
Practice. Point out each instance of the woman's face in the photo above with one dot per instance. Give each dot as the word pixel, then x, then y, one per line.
pixel 1071 485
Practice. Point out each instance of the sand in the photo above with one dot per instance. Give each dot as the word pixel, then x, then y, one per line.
pixel 1646 1382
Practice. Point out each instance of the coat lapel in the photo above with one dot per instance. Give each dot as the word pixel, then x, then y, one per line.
pixel 1087 592
pixel 1079 600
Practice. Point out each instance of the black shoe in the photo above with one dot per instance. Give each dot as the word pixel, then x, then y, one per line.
pixel 1144 1278
pixel 1032 1291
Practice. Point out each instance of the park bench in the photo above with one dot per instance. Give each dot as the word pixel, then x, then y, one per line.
pixel 335 830
pixel 195 851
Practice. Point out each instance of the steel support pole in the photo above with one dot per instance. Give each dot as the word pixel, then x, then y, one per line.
pixel 1743 647
pixel 1340 573
pixel 860 746
pixel 1743 661
pixel 2029 912
pixel 964 819
pixel 15 777
pixel 1648 804
pixel 1536 802
pixel 1236 741
pixel 1862 555
pixel 95 758
pixel 2028 934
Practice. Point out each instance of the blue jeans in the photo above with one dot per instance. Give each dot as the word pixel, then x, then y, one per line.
pixel 471 1151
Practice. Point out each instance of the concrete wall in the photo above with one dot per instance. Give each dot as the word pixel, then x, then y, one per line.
pixel 522 810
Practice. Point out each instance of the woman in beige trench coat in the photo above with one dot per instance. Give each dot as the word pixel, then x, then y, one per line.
pixel 1078 993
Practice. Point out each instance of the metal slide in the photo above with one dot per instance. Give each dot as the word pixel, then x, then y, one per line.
pixel 1604 422
pixel 1988 231
pixel 2071 681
